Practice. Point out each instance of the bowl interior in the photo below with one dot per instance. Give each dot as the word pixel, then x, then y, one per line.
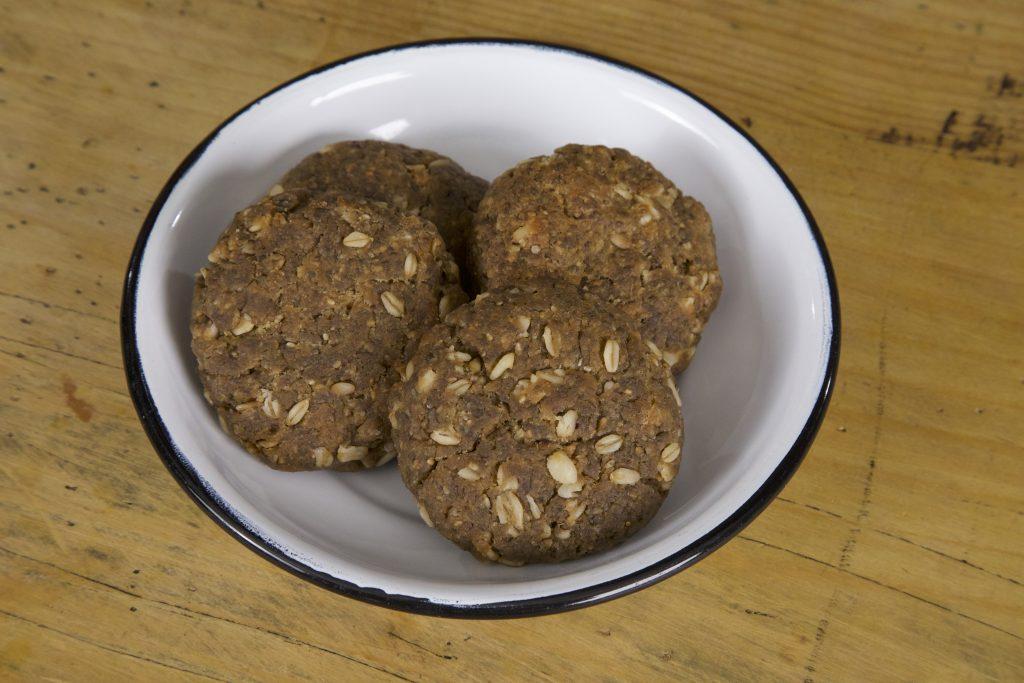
pixel 747 395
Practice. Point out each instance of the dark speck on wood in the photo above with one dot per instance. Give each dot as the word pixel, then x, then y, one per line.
pixel 1009 87
pixel 97 553
pixel 891 136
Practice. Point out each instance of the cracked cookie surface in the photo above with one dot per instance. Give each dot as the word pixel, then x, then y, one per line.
pixel 416 181
pixel 534 425
pixel 610 222
pixel 304 318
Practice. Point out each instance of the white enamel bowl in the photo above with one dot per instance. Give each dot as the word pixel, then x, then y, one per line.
pixel 753 397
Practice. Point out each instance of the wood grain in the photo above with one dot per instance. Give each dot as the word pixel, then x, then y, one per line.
pixel 896 552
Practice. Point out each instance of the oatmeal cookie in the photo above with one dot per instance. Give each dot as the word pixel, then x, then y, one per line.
pixel 416 181
pixel 534 425
pixel 610 222
pixel 304 318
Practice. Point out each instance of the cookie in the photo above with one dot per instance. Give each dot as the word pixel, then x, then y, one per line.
pixel 303 319
pixel 611 223
pixel 417 181
pixel 534 425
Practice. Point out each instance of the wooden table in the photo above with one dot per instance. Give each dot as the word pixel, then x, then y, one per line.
pixel 897 550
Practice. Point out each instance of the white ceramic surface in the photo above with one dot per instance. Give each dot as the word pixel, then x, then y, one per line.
pixel 757 382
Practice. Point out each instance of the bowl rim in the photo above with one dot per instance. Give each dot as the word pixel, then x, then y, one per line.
pixel 188 479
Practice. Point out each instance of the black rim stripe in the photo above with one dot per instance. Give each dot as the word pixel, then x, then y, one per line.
pixel 191 483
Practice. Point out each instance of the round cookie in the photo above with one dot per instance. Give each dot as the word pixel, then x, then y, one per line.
pixel 534 425
pixel 610 222
pixel 416 181
pixel 303 319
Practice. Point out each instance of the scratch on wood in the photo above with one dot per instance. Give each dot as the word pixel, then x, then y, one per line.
pixel 82 409
pixel 846 553
pixel 990 506
pixel 187 611
pixel 62 353
pixel 882 386
pixel 788 550
pixel 878 583
pixel 950 557
pixel 47 304
pixel 819 637
pixel 72 573
pixel 107 648
pixel 22 357
pixel 421 647
pixel 810 507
